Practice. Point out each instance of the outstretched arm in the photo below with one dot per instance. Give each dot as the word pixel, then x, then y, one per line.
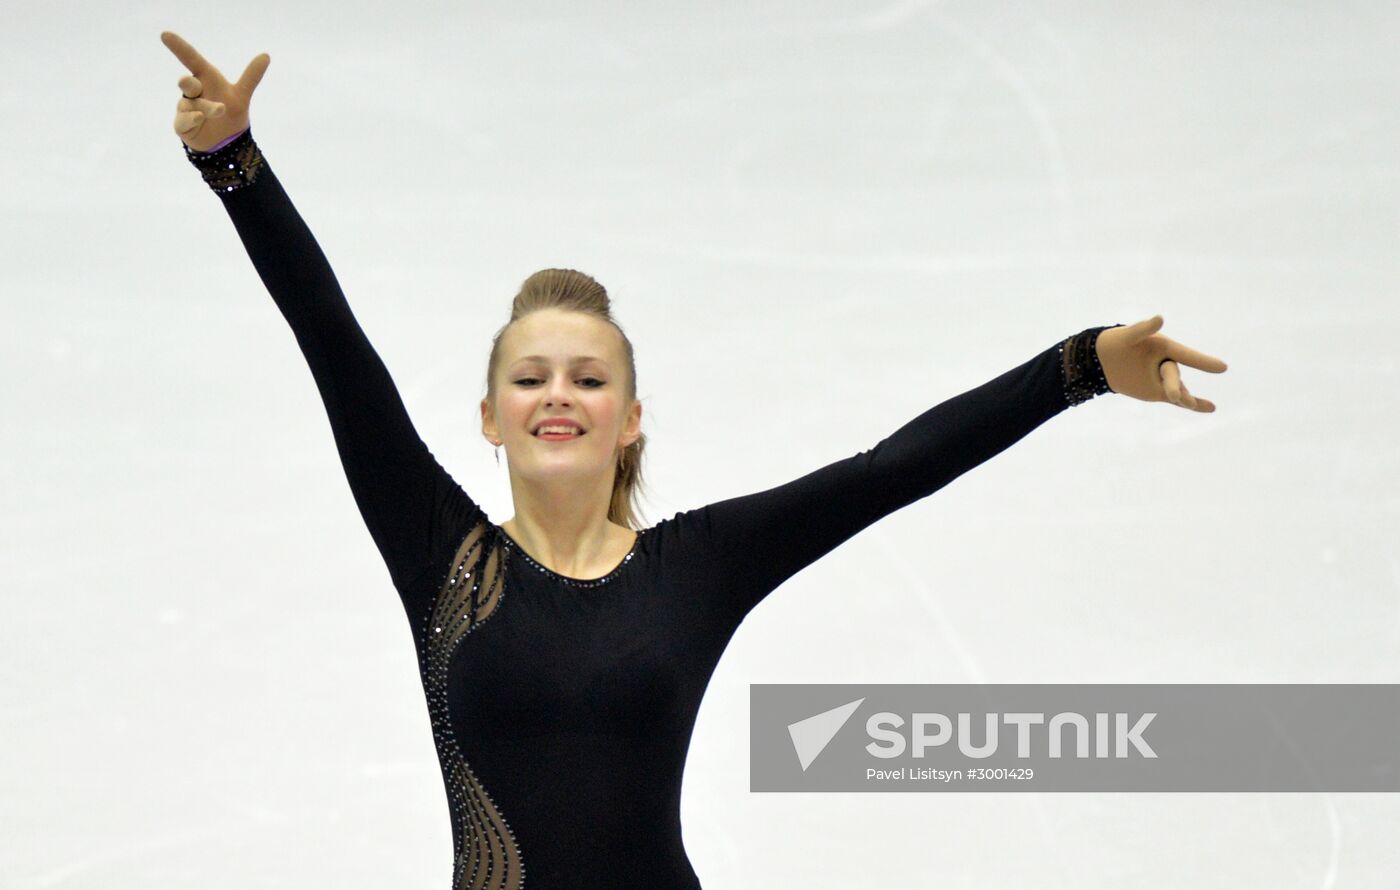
pixel 759 540
pixel 410 504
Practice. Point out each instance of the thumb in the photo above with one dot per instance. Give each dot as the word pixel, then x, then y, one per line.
pixel 1144 329
pixel 253 74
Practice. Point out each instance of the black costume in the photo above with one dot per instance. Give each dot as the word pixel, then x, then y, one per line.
pixel 562 709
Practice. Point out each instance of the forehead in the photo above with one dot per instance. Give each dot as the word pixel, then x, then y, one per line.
pixel 555 335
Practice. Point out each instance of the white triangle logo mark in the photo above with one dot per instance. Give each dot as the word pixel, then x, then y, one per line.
pixel 812 735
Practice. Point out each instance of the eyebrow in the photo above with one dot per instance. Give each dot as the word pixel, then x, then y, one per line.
pixel 576 360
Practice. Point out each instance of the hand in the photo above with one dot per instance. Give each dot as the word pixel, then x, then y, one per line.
pixel 1139 362
pixel 211 109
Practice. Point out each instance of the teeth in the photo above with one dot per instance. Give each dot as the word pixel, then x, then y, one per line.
pixel 558 429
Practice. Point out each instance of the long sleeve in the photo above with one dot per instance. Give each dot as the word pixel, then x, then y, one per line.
pixel 410 504
pixel 759 540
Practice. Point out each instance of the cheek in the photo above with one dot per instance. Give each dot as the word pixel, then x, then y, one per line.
pixel 607 409
pixel 513 410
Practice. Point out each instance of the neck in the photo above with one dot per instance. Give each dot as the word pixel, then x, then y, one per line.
pixel 566 528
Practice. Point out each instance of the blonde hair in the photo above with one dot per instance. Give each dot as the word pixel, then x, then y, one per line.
pixel 574 291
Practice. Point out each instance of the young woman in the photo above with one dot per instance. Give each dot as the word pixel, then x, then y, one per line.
pixel 565 651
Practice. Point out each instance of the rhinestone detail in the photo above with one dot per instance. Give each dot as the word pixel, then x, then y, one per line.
pixel 232 167
pixel 485 853
pixel 510 543
pixel 1081 373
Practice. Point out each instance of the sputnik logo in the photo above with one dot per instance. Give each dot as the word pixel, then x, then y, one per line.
pixel 811 736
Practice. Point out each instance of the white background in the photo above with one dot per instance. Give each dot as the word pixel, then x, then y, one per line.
pixel 816 219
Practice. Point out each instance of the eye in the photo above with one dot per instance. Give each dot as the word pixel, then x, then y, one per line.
pixel 590 382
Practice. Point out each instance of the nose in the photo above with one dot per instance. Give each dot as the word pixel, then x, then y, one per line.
pixel 558 392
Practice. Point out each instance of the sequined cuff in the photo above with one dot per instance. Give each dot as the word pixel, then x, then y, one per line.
pixel 1080 370
pixel 234 166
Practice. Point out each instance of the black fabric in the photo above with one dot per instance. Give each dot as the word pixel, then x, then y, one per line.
pixel 562 711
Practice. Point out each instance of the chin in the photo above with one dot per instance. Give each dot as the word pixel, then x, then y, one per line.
pixel 563 467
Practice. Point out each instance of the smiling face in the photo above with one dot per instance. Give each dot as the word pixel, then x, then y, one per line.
pixel 554 363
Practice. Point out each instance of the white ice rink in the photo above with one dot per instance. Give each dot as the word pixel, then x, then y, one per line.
pixel 816 220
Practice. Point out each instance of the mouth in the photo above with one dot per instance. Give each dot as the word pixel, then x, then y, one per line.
pixel 558 432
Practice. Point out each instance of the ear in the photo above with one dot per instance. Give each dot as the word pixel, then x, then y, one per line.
pixel 632 426
pixel 488 423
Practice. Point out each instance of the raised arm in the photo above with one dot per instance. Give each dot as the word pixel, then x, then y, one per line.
pixel 760 540
pixel 410 504
pixel 757 541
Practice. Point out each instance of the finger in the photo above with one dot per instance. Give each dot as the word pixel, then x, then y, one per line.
pixel 1204 406
pixel 190 87
pixel 188 121
pixel 1185 399
pixel 185 53
pixel 1143 329
pixel 209 108
pixel 253 74
pixel 1193 358
pixel 1170 375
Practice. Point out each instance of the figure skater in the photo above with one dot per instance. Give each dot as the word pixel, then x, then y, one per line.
pixel 564 652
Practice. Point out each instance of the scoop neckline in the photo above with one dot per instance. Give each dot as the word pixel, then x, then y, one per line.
pixel 565 579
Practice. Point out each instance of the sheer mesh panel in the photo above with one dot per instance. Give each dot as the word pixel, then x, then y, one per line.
pixel 1080 370
pixel 485 855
